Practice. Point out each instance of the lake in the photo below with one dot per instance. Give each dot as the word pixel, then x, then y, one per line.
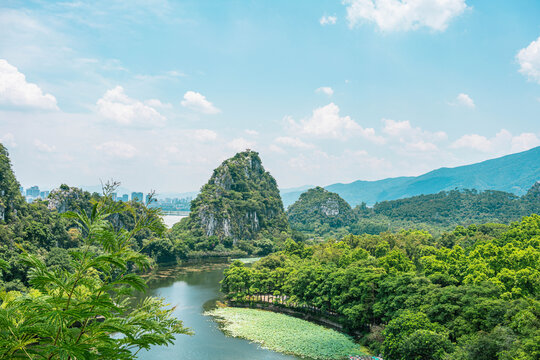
pixel 170 220
pixel 195 289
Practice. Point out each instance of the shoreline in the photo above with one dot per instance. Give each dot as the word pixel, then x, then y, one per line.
pixel 287 334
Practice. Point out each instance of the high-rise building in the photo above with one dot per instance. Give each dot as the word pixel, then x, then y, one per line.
pixel 125 198
pixel 113 196
pixel 33 191
pixel 44 194
pixel 21 190
pixel 137 196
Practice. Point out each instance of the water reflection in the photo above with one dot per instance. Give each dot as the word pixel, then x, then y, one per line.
pixel 195 289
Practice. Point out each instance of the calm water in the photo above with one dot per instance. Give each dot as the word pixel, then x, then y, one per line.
pixel 170 220
pixel 194 290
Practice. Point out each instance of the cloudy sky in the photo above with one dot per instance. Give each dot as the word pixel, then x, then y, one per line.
pixel 157 93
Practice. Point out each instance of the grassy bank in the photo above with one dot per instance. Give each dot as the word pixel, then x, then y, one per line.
pixel 285 334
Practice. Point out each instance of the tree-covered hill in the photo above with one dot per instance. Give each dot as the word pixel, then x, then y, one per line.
pixel 434 212
pixel 239 201
pixel 238 212
pixel 450 208
pixel 319 207
pixel 514 173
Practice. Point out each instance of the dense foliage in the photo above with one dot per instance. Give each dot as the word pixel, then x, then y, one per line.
pixel 470 294
pixel 319 209
pixel 32 226
pixel 434 213
pixel 463 207
pixel 41 230
pixel 76 304
pixel 239 210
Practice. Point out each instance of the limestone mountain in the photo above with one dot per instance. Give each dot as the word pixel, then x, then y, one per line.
pixel 318 206
pixel 240 200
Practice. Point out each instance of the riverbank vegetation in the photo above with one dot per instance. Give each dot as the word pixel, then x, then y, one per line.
pixel 472 293
pixel 71 308
pixel 285 334
pixel 450 292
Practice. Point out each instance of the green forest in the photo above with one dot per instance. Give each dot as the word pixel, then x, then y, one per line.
pixel 472 293
pixel 435 213
pixel 453 275
pixel 67 277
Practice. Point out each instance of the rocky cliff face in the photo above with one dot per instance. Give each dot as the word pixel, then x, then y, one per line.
pixel 319 206
pixel 240 200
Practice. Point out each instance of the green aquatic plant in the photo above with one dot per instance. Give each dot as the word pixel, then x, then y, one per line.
pixel 285 334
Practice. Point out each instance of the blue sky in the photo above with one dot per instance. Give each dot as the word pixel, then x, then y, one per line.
pixel 157 93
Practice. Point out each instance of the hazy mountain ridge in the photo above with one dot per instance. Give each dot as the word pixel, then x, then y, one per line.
pixel 514 173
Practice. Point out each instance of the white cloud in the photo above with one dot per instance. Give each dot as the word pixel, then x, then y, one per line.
pixel 361 158
pixel 156 103
pixel 30 41
pixel 168 75
pixel 465 100
pixel 396 128
pixel 8 140
pixel 204 135
pixel 117 106
pixel 422 146
pixel 325 90
pixel 175 73
pixel 524 141
pixel 172 149
pixel 241 144
pixel 326 122
pixel 303 163
pixel 41 146
pixel 412 139
pixel 251 132
pixel 276 149
pixel 403 131
pixel 328 20
pixel 503 142
pixel 529 60
pixel 196 101
pixel 347 166
pixel 118 149
pixel 293 142
pixel 394 15
pixel 16 91
pixel 473 141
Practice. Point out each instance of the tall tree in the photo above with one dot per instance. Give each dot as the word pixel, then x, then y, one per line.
pixel 85 310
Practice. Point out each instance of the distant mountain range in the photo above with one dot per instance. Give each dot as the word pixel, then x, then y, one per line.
pixel 514 173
